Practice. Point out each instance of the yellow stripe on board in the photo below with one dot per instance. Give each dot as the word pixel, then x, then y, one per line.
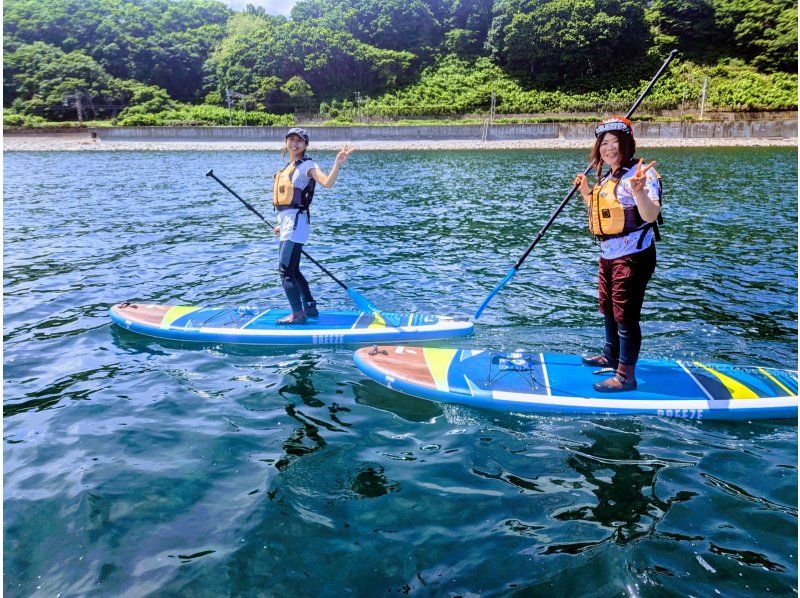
pixel 378 322
pixel 775 380
pixel 736 388
pixel 176 312
pixel 438 361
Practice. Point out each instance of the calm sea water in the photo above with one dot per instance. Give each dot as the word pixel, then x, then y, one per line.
pixel 133 466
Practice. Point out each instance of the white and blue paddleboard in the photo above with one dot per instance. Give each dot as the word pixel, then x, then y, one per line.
pixel 548 383
pixel 252 326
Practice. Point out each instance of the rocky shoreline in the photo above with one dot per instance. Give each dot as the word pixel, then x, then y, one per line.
pixel 38 143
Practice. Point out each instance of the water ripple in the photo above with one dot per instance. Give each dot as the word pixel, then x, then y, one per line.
pixel 134 466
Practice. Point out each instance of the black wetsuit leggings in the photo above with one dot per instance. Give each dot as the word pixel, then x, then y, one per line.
pixel 294 283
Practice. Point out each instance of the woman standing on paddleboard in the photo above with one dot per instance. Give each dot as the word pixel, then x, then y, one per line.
pixel 624 206
pixel 293 190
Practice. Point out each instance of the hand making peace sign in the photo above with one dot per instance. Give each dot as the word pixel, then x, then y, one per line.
pixel 342 156
pixel 638 180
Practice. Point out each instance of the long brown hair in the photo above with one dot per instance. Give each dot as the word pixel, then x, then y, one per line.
pixel 627 149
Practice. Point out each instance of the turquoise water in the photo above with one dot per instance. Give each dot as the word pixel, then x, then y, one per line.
pixel 133 466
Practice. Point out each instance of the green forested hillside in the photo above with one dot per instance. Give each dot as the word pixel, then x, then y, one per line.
pixel 198 62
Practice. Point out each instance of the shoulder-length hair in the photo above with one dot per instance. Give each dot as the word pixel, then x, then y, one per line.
pixel 627 149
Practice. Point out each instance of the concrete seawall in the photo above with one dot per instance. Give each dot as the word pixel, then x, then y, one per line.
pixel 766 132
pixel 739 129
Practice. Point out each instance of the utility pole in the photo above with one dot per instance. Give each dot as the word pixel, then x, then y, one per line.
pixel 703 97
pixel 358 105
pixel 229 101
pixel 683 101
pixel 488 122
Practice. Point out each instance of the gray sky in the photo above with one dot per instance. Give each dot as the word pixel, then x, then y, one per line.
pixel 275 7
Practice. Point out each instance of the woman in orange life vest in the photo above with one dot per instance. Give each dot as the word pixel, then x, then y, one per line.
pixel 293 189
pixel 623 208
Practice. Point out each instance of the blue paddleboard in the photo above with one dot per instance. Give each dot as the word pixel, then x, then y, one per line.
pixel 253 326
pixel 549 383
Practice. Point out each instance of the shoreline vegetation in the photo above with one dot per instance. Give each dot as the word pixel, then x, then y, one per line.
pixel 12 124
pixel 198 62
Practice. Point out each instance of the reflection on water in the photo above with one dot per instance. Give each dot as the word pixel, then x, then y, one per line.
pixel 303 440
pixel 370 482
pixel 368 392
pixel 623 482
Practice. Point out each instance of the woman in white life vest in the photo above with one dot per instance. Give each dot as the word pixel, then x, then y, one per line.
pixel 293 189
pixel 623 207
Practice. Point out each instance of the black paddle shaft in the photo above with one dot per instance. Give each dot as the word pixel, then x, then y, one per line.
pixel 257 213
pixel 588 168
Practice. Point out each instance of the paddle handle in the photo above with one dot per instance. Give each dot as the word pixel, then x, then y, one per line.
pixel 236 195
pixel 655 78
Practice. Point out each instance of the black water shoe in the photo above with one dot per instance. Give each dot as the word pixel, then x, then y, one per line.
pixel 310 310
pixel 599 361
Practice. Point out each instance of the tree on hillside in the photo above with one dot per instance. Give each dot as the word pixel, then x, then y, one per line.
pixel 467 27
pixel 299 92
pixel 573 43
pixel 502 13
pixel 462 43
pixel 764 32
pixel 42 80
pixel 160 42
pixel 689 26
pixel 401 25
pixel 175 60
pixel 333 63
pixel 243 58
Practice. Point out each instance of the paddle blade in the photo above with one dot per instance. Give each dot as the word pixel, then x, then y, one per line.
pixel 368 307
pixel 362 302
pixel 494 292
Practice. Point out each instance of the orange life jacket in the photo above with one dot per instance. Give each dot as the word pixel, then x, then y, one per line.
pixel 609 218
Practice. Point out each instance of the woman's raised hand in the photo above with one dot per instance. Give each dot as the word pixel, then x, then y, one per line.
pixel 582 183
pixel 342 156
pixel 640 177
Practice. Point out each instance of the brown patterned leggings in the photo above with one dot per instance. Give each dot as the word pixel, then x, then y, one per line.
pixel 621 285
